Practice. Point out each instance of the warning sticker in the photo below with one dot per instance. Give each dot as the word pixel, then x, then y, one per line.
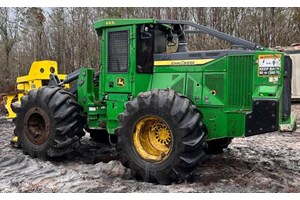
pixel 269 65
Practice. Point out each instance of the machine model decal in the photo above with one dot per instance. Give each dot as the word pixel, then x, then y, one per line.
pixel 181 62
pixel 120 82
pixel 110 23
pixel 269 65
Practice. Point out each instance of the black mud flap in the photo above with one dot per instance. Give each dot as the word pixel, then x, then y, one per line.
pixel 264 117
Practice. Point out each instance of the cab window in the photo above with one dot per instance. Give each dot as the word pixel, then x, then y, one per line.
pixel 145 41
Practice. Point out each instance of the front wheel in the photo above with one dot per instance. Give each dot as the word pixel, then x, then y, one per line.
pixel 49 123
pixel 161 137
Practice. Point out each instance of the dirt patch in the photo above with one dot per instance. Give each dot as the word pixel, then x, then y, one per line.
pixel 263 163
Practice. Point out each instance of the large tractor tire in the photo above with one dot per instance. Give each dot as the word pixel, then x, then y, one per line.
pixel 161 137
pixel 49 123
pixel 218 145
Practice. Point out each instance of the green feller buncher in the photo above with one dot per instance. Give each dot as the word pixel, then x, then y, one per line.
pixel 168 108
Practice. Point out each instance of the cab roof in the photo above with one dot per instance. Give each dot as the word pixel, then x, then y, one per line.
pixel 104 23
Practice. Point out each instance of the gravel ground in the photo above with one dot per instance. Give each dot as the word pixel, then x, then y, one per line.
pixel 263 163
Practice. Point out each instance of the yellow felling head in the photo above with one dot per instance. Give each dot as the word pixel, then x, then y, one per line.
pixel 39 71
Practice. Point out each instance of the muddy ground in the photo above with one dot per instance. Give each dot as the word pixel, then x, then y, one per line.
pixel 264 163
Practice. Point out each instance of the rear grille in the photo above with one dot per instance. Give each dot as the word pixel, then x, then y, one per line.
pixel 240 80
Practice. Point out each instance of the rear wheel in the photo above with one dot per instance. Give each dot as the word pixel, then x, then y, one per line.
pixel 153 138
pixel 161 137
pixel 49 123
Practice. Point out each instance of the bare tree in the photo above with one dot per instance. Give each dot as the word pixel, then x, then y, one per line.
pixel 10 24
pixel 67 35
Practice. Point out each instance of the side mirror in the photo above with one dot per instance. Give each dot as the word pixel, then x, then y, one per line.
pixel 144 32
pixel 176 30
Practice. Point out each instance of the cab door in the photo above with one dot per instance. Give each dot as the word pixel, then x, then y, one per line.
pixel 117 77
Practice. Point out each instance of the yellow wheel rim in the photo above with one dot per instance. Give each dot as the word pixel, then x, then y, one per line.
pixel 153 139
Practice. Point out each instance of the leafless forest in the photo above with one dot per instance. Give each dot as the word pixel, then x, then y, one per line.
pixel 67 35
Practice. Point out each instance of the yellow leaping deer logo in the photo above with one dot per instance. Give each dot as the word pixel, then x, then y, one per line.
pixel 121 82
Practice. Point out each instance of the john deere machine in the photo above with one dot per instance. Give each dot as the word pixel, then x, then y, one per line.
pixel 167 108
